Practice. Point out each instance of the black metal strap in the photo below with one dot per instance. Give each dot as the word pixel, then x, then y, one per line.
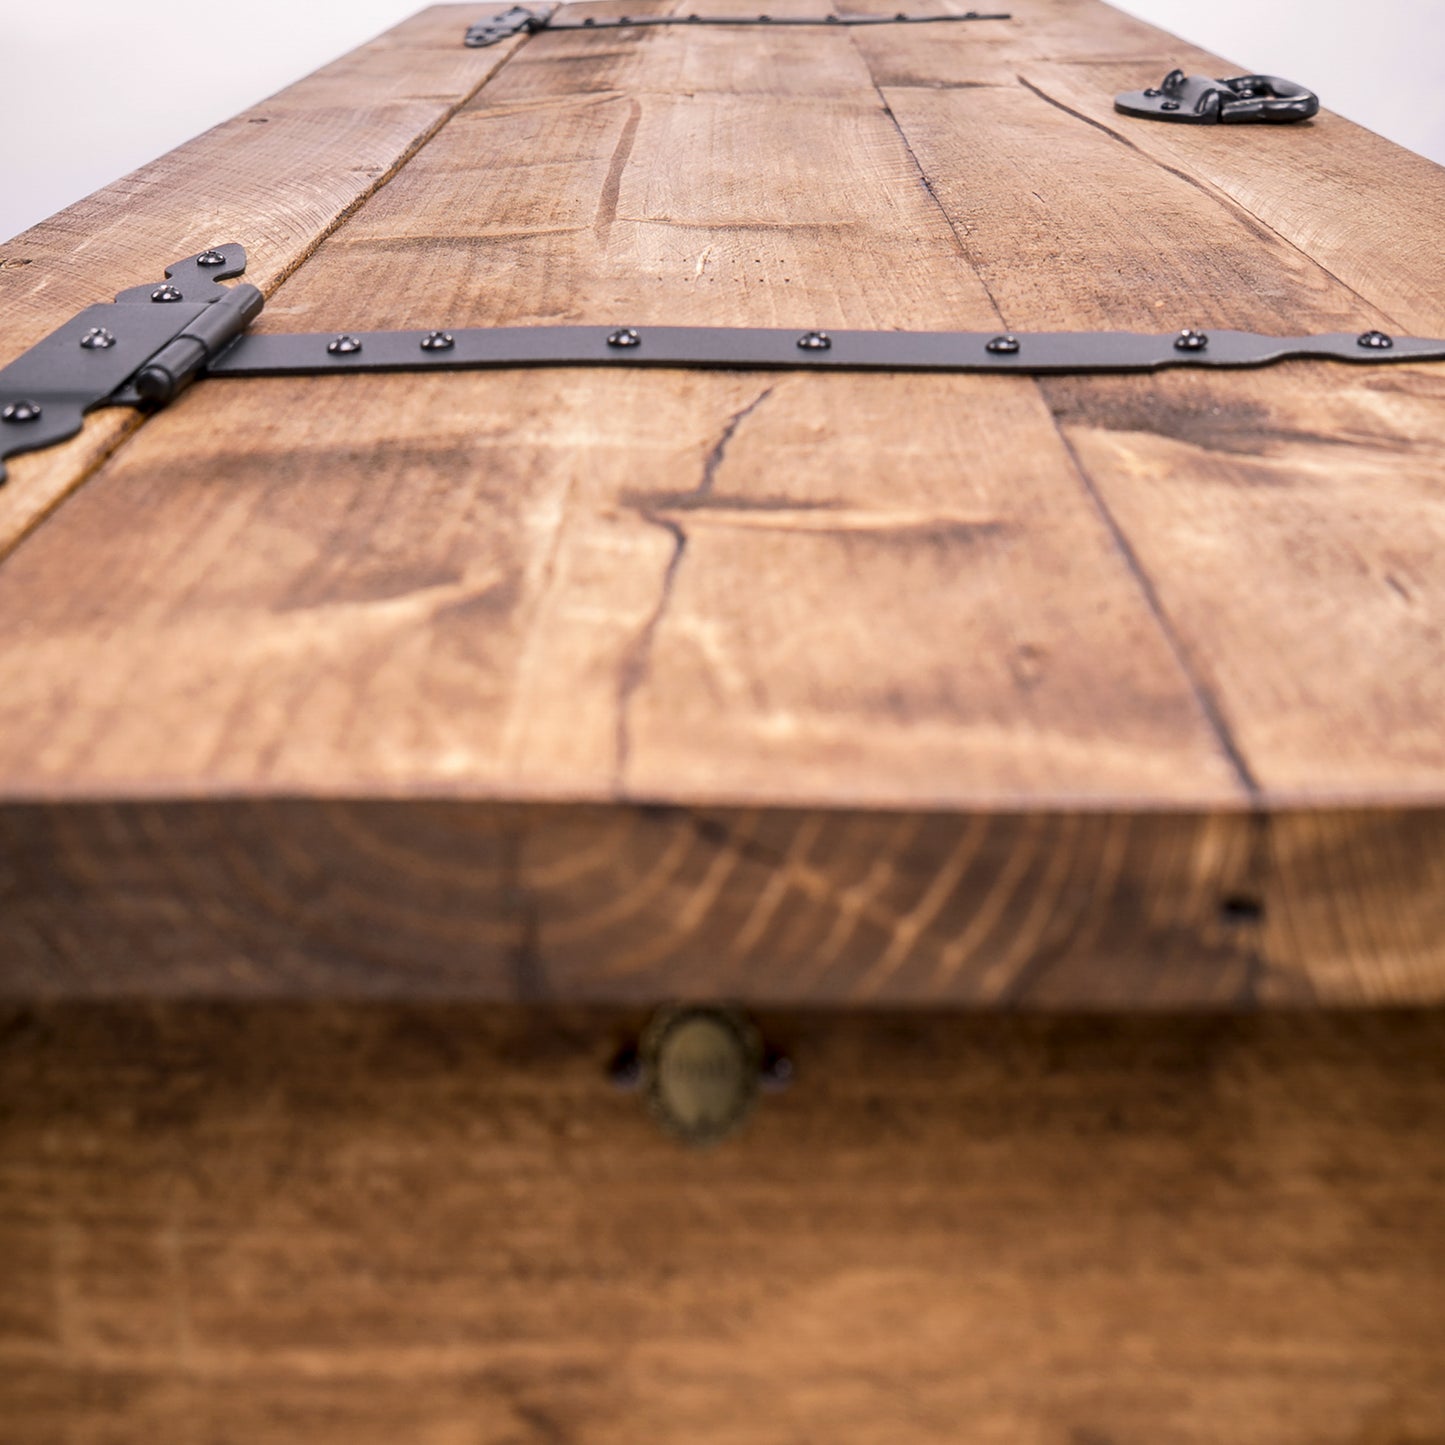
pixel 519 19
pixel 155 340
pixel 1033 353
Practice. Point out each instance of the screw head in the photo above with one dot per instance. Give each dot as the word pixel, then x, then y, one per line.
pixel 166 293
pixel 815 341
pixel 777 1072
pixel 1003 346
pixel 97 339
pixel 343 345
pixel 210 258
pixel 1376 341
pixel 438 341
pixel 18 412
pixel 624 336
pixel 1191 340
pixel 625 1070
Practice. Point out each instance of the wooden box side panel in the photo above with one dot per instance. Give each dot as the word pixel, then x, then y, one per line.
pixel 326 1226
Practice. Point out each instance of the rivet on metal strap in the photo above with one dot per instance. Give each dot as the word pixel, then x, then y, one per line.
pixel 815 341
pixel 624 336
pixel 343 346
pixel 1376 341
pixel 97 339
pixel 21 411
pixel 166 293
pixel 1191 340
pixel 438 341
pixel 1003 346
pixel 210 258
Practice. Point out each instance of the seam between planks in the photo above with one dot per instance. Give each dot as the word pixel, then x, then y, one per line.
pixel 1209 705
pixel 1215 193
pixel 132 424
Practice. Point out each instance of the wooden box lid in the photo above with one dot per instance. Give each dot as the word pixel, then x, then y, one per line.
pixel 1091 690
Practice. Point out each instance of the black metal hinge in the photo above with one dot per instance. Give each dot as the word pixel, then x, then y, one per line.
pixel 153 341
pixel 146 346
pixel 519 20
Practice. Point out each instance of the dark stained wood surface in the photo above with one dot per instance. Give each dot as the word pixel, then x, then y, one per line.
pixel 394 900
pixel 1069 617
pixel 326 1226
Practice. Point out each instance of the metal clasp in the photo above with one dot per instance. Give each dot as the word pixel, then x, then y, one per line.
pixel 1198 100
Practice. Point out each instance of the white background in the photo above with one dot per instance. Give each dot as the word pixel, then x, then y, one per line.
pixel 90 89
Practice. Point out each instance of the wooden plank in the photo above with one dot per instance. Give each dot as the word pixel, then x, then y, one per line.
pixel 278 176
pixel 1365 211
pixel 438 1224
pixel 605 904
pixel 1361 208
pixel 1286 522
pixel 303 899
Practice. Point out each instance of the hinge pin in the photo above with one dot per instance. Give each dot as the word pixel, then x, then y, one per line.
pixel 176 365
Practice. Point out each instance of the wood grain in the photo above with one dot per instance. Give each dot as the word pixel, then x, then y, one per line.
pixel 277 178
pixel 442 1224
pixel 1159 643
pixel 297 899
pixel 1286 522
pixel 528 585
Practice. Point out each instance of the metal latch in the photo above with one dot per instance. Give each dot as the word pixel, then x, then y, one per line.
pixel 701 1070
pixel 1197 100
pixel 153 341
